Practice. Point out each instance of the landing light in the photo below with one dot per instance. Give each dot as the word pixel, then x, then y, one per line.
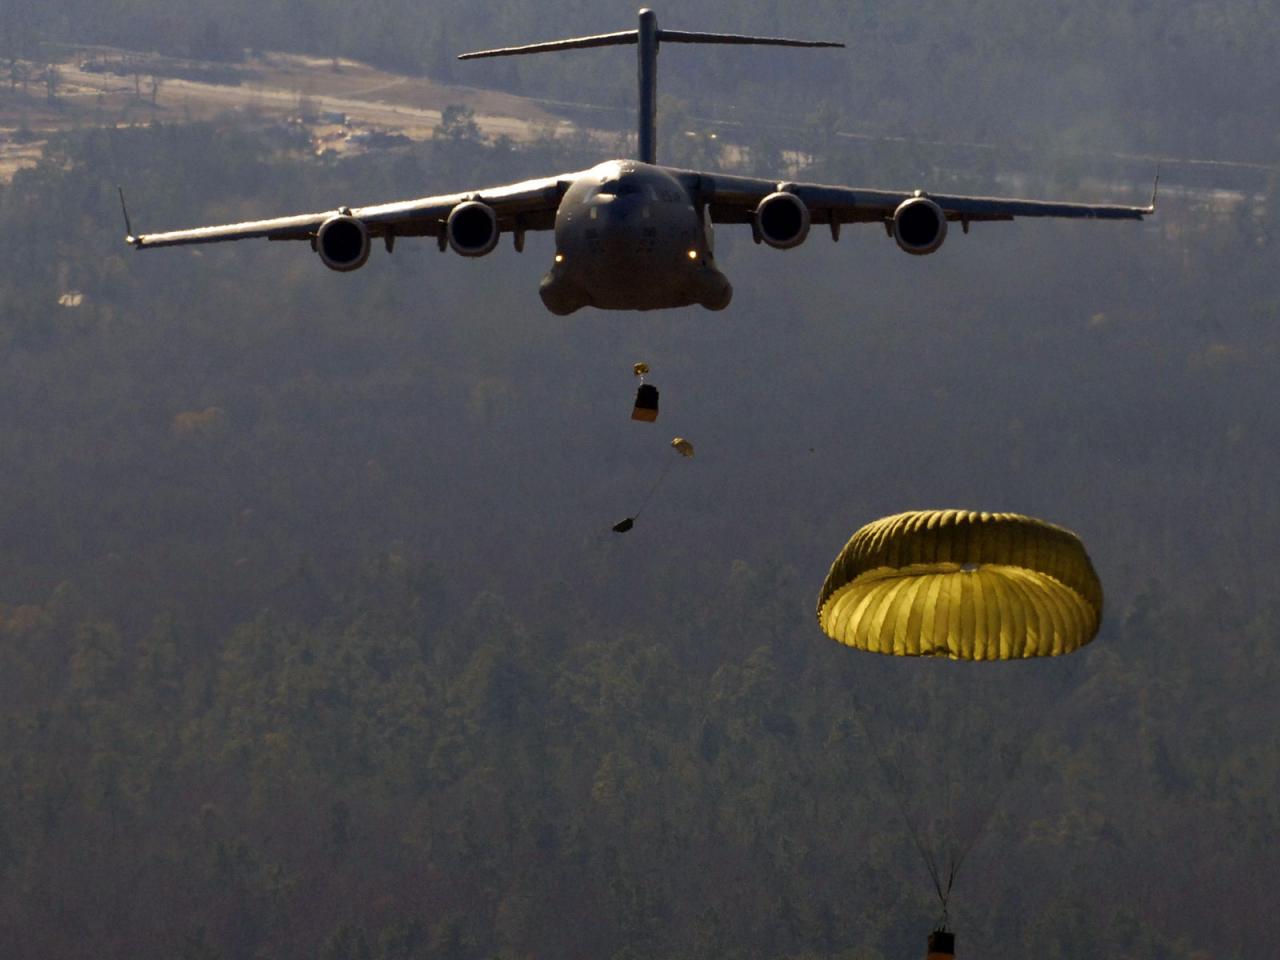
pixel 693 254
pixel 559 258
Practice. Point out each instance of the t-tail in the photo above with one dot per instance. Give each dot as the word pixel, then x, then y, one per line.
pixel 647 38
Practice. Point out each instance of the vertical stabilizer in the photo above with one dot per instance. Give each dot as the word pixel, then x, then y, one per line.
pixel 647 76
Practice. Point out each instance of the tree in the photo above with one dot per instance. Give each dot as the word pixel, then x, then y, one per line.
pixel 458 124
pixel 52 81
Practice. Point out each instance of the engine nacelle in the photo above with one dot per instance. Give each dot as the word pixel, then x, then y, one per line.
pixel 343 243
pixel 782 220
pixel 472 228
pixel 919 226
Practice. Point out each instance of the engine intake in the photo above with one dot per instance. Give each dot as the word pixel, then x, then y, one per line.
pixel 472 228
pixel 343 243
pixel 782 220
pixel 919 226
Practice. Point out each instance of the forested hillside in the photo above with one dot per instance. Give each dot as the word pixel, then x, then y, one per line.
pixel 1158 76
pixel 315 642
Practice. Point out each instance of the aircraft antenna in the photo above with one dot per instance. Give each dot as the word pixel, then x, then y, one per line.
pixel 647 38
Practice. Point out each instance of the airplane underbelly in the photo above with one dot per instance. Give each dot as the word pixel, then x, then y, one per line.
pixel 636 280
pixel 623 252
pixel 641 277
pixel 641 268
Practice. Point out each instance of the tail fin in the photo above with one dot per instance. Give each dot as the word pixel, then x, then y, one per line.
pixel 647 37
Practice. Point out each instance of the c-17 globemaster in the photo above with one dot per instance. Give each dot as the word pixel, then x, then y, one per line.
pixel 633 234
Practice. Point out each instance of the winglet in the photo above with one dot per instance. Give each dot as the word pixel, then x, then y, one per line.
pixel 129 236
pixel 1155 187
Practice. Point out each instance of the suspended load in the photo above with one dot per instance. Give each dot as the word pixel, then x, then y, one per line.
pixel 646 405
pixel 963 585
pixel 681 446
pixel 942 945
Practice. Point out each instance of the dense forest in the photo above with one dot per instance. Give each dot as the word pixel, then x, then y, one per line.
pixel 314 637
pixel 1167 77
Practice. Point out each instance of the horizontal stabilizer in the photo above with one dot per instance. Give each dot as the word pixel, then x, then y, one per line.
pixel 684 36
pixel 632 36
pixel 599 40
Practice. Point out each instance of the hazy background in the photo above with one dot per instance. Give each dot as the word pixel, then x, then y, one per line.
pixel 315 641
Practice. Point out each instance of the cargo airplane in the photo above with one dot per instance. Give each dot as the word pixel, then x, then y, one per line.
pixel 634 234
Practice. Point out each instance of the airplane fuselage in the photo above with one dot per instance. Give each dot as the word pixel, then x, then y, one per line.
pixel 629 237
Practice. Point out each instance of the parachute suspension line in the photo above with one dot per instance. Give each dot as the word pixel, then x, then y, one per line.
pixel 951 819
pixel 653 489
pixel 957 856
pixel 886 771
pixel 1008 777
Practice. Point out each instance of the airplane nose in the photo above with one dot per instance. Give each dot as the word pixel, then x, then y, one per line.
pixel 620 210
pixel 620 227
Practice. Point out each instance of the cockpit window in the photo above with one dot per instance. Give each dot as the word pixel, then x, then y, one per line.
pixel 620 188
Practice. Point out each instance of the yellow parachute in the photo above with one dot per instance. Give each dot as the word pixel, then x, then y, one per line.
pixel 964 585
pixel 682 446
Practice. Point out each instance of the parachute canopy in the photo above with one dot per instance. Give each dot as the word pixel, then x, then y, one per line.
pixel 964 585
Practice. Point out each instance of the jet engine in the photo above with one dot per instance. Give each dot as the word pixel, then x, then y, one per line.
pixel 472 228
pixel 782 220
pixel 919 226
pixel 343 243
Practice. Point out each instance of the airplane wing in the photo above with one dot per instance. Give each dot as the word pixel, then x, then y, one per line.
pixel 530 205
pixel 732 199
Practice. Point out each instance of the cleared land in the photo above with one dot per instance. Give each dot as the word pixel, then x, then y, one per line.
pixel 99 88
